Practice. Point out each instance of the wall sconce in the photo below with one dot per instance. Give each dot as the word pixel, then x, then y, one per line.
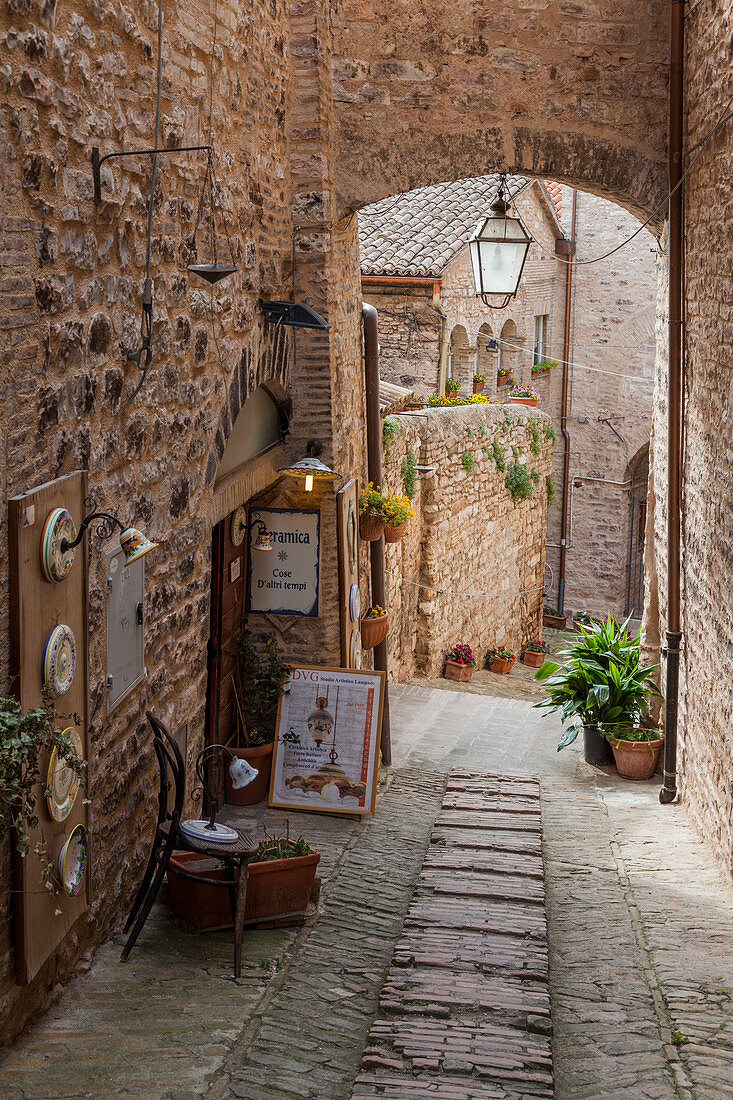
pixel 264 537
pixel 241 773
pixel 59 539
pixel 311 467
pixel 294 314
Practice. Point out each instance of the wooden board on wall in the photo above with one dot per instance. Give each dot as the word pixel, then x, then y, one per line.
pixel 347 519
pixel 36 607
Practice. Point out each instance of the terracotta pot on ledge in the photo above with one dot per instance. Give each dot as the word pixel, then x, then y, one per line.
pixel 531 401
pixel 394 534
pixel 458 670
pixel 371 527
pixel 534 660
pixel 374 630
pixel 636 759
pixel 478 387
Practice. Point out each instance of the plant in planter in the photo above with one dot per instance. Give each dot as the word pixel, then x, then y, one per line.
pixel 371 512
pixel 523 395
pixel 460 662
pixel 374 626
pixel 600 687
pixel 554 618
pixel 581 620
pixel 543 366
pixel 478 383
pixel 279 883
pixel 636 750
pixel 501 660
pixel 397 512
pixel 503 377
pixel 535 652
pixel 452 385
pixel 257 682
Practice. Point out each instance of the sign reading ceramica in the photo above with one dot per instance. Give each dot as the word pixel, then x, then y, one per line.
pixel 284 580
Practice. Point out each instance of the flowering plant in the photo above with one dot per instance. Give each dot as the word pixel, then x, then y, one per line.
pixel 397 510
pixel 500 654
pixel 582 617
pixel 452 385
pixel 375 612
pixel 447 402
pixel 462 653
pixel 502 372
pixel 371 500
pixel 543 365
pixel 523 391
pixel 536 646
pixel 478 378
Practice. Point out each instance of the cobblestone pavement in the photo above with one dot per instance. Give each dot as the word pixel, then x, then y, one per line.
pixel 640 934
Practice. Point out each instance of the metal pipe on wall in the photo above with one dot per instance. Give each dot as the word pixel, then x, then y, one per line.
pixel 564 417
pixel 674 397
pixel 374 469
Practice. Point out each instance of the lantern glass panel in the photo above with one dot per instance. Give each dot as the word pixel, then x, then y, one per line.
pixel 498 253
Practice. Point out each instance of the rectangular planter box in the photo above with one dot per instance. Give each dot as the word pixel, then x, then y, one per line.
pixel 457 670
pixel 534 660
pixel 556 622
pixel 502 667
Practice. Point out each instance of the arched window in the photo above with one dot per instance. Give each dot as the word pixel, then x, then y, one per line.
pixel 260 425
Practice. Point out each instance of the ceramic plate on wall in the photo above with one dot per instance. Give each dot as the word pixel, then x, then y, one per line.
pixel 238 525
pixel 355 650
pixel 59 660
pixel 62 782
pixel 73 861
pixel 54 563
pixel 355 603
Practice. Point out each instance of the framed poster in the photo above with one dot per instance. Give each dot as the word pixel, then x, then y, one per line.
pixel 284 580
pixel 336 716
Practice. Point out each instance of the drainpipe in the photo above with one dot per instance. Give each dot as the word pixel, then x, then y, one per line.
pixel 564 415
pixel 374 468
pixel 674 400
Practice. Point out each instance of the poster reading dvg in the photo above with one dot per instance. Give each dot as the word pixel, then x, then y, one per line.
pixel 329 725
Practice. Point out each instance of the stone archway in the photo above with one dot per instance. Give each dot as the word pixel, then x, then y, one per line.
pixel 487 347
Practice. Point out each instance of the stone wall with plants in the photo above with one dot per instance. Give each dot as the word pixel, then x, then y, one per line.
pixel 470 567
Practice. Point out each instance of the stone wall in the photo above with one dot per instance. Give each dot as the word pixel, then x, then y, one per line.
pixel 470 567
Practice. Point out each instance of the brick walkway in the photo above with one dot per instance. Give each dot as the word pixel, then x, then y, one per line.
pixel 465 1009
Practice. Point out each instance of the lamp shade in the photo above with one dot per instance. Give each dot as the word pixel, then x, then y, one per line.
pixel 310 467
pixel 134 544
pixel 498 250
pixel 263 541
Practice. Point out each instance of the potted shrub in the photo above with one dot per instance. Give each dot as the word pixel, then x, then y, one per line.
pixel 279 883
pixel 374 626
pixel 523 395
pixel 600 687
pixel 501 660
pixel 452 385
pixel 371 513
pixel 543 366
pixel 256 683
pixel 478 383
pixel 459 663
pixel 581 620
pixel 535 653
pixel 636 751
pixel 553 618
pixel 503 378
pixel 397 511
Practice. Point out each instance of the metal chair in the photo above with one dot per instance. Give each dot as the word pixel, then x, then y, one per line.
pixel 169 838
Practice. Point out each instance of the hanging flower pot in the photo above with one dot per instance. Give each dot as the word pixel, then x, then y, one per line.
pixel 397 512
pixel 371 518
pixel 394 534
pixel 371 527
pixel 374 626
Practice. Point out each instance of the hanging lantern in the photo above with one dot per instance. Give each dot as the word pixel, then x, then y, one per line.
pixel 320 721
pixel 134 543
pixel 498 250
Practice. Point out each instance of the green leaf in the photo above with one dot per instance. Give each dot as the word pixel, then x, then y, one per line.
pixel 546 670
pixel 569 735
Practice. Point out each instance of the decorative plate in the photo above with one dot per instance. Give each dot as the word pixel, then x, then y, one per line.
pixel 59 660
pixel 55 564
pixel 355 650
pixel 238 527
pixel 62 782
pixel 73 861
pixel 355 603
pixel 198 830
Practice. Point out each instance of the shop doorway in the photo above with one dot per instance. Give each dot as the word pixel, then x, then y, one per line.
pixel 228 601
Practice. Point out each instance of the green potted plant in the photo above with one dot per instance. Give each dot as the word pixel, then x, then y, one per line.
pixel 581 620
pixel 371 512
pixel 452 385
pixel 553 618
pixel 600 687
pixel 543 366
pixel 523 395
pixel 478 383
pixel 374 625
pixel 503 377
pixel 256 682
pixel 459 663
pixel 397 512
pixel 279 883
pixel 535 653
pixel 636 750
pixel 501 660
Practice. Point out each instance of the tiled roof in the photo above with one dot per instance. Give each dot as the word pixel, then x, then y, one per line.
pixel 419 233
pixel 554 190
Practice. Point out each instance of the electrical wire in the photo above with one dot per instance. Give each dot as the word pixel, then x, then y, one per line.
pixel 464 595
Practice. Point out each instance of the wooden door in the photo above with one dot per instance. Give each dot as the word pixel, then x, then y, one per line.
pixel 228 573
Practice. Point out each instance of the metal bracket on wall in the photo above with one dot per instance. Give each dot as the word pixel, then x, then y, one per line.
pixel 98 161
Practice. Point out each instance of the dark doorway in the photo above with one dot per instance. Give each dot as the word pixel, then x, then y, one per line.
pixel 639 477
pixel 228 581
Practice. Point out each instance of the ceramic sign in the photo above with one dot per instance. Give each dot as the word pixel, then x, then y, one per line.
pixel 73 862
pixel 55 564
pixel 285 582
pixel 59 660
pixel 62 782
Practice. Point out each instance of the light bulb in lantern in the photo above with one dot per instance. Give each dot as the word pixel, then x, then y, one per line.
pixel 330 792
pixel 308 482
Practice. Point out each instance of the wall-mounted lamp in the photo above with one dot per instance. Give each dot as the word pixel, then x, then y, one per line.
pixel 264 537
pixel 310 467
pixel 294 314
pixel 60 539
pixel 133 542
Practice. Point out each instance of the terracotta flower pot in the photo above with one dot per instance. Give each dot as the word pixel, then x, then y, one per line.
pixel 259 757
pixel 534 660
pixel 637 759
pixel 596 748
pixel 532 401
pixel 458 670
pixel 274 888
pixel 557 622
pixel 478 387
pixel 502 380
pixel 373 631
pixel 502 667
pixel 371 527
pixel 394 534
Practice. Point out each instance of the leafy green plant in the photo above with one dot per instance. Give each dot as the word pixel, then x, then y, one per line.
pixel 535 476
pixel 543 365
pixel 518 482
pixel 600 683
pixel 498 456
pixel 469 431
pixel 533 432
pixel 408 471
pixel 371 500
pixel 257 682
pixel 452 385
pixel 500 654
pixel 390 428
pixel 280 847
pixel 482 428
pixel 549 432
pixel 551 491
pixel 468 461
